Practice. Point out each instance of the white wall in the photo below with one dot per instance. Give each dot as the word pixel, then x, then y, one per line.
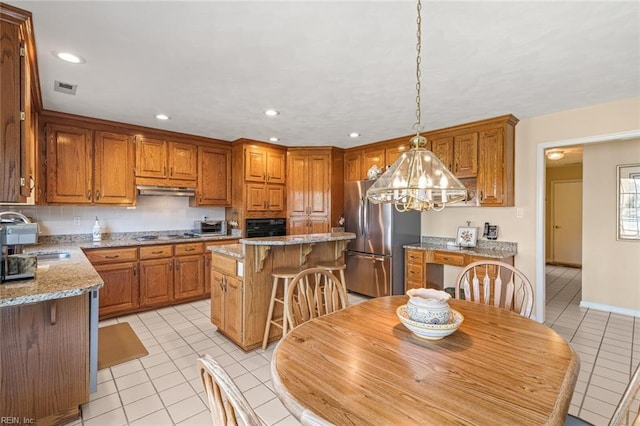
pixel 611 268
pixel 152 213
pixel 614 117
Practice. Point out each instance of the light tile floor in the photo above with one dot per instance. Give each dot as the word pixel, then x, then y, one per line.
pixel 163 388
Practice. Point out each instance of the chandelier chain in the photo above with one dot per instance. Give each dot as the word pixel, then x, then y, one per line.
pixel 418 124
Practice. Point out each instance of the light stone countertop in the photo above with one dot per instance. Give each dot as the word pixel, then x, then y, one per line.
pixel 491 249
pixel 289 240
pixel 232 250
pixel 56 279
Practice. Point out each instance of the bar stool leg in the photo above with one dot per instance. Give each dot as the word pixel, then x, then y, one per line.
pixel 285 307
pixel 267 326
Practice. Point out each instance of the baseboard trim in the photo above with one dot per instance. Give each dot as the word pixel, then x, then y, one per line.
pixel 609 308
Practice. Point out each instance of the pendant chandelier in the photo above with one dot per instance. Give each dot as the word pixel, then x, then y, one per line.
pixel 417 180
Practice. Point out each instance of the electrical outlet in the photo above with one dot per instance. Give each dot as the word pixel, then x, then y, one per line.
pixel 519 213
pixel 76 220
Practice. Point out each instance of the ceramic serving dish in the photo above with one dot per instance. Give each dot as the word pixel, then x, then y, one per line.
pixel 428 305
pixel 430 331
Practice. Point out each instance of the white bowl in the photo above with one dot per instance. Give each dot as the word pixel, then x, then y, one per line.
pixel 430 331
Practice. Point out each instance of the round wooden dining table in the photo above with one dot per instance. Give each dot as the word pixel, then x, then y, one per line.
pixel 361 366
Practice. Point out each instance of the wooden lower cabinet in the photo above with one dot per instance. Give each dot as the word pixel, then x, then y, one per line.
pixel 120 291
pixel 227 297
pixel 156 282
pixel 189 277
pixel 44 360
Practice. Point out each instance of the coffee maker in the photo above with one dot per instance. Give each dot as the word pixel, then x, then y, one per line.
pixel 16 230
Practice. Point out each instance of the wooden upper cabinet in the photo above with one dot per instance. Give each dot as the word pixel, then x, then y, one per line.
pixel 493 172
pixel 151 158
pixel 392 154
pixel 309 187
pixel 69 164
pixel 182 161
pixel 113 164
pixel 443 149
pixel 353 166
pixel 465 152
pixel 214 177
pixel 373 158
pixel 160 159
pixel 264 165
pixel 19 96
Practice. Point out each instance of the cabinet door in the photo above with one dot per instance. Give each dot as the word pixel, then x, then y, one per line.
pixel 276 167
pixel 318 186
pixel 189 277
pixel 233 311
pixel 207 272
pixel 44 360
pixel 69 164
pixel 151 158
pixel 255 165
pixel 255 198
pixel 443 149
pixel 297 189
pixel 214 177
pixel 373 158
pixel 183 161
pixel 156 281
pixel 274 197
pixel 465 151
pixel 392 154
pixel 298 225
pixel 217 299
pixel 318 224
pixel 352 167
pixel 120 291
pixel 113 164
pixel 491 180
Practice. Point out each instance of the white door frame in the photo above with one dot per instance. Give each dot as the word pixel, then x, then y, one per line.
pixel 540 196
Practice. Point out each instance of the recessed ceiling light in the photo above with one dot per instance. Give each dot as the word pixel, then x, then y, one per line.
pixel 271 112
pixel 354 134
pixel 69 57
pixel 555 155
pixel 162 116
pixel 273 139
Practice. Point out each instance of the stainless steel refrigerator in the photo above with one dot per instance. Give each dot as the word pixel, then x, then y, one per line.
pixel 375 259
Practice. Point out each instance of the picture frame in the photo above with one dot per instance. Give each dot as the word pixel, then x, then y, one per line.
pixel 467 236
pixel 628 202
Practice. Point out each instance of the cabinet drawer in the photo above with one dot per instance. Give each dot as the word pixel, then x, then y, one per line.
pixel 155 252
pixel 224 264
pixel 189 248
pixel 112 255
pixel 448 258
pixel 414 256
pixel 415 273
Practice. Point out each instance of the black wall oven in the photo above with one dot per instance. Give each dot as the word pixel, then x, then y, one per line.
pixel 266 227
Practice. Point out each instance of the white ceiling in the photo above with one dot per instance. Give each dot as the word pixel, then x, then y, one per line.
pixel 331 68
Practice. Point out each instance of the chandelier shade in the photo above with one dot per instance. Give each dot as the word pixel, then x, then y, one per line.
pixel 417 180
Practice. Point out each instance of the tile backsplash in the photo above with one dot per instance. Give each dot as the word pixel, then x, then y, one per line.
pixel 152 213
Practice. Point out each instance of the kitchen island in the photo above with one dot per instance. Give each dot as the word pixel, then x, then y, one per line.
pixel 242 282
pixel 45 323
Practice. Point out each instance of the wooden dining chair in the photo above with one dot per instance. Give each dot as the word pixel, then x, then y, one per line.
pixel 312 293
pixel 496 283
pixel 226 403
pixel 627 412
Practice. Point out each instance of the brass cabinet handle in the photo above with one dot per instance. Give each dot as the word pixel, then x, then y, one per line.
pixel 189 249
pixel 97 194
pixel 481 196
pixel 157 252
pixel 88 194
pixel 111 256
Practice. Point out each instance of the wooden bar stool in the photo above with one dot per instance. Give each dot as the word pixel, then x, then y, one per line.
pixel 333 267
pixel 278 274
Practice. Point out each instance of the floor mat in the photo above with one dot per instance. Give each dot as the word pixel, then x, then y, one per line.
pixel 118 343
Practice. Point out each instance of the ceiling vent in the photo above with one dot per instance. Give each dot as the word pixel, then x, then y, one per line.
pixel 68 88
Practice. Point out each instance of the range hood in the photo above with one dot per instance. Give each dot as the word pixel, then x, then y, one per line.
pixel 166 190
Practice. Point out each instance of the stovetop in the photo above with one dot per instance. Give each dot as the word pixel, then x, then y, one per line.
pixel 168 236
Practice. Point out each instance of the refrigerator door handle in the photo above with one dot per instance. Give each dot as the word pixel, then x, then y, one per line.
pixel 365 206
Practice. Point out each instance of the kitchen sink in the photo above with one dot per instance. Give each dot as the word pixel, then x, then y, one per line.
pixel 53 255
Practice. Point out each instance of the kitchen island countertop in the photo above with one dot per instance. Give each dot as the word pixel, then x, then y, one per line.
pixel 233 250
pixel 289 240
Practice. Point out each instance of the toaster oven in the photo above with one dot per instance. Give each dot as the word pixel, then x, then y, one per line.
pixel 210 227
